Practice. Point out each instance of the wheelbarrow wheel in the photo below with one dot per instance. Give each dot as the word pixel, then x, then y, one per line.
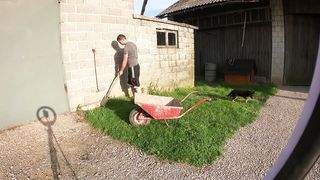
pixel 133 118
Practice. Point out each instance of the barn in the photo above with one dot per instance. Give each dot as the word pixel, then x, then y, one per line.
pixel 280 36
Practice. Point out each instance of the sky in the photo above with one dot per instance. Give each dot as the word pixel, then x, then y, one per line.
pixel 154 7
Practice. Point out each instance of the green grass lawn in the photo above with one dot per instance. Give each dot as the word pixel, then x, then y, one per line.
pixel 197 138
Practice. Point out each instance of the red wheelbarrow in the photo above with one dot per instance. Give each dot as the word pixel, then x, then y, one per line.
pixel 159 108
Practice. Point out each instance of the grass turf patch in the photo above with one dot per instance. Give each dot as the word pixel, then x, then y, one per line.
pixel 197 138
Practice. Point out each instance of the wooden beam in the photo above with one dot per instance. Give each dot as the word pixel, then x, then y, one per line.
pixel 144 6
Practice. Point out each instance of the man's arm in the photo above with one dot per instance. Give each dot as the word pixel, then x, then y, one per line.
pixel 124 63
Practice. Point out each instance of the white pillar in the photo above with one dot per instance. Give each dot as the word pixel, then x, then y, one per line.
pixel 278 49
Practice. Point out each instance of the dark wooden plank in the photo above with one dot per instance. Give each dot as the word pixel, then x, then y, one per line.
pixel 218 45
pixel 302 37
pixel 301 6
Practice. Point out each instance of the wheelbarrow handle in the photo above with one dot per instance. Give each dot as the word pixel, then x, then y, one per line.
pixel 187 96
pixel 192 107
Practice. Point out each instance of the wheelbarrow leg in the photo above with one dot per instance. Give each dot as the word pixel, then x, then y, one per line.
pixel 166 123
pixel 187 96
pixel 192 107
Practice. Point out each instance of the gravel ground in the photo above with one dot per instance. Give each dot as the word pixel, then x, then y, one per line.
pixel 72 150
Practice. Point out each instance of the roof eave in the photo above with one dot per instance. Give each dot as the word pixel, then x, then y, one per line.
pixel 203 7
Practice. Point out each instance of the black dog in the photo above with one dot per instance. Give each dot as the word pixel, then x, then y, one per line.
pixel 234 94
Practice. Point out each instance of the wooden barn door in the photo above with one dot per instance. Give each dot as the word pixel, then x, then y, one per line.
pixel 218 45
pixel 206 51
pixel 301 46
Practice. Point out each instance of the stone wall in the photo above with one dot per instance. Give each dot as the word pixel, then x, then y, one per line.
pixel 278 45
pixel 95 24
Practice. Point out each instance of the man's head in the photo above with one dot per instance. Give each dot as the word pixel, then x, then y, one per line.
pixel 122 39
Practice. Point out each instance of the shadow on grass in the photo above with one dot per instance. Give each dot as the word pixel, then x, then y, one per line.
pixel 214 96
pixel 121 108
pixel 265 89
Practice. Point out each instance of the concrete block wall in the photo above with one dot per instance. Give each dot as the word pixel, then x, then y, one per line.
pixel 278 41
pixel 160 66
pixel 95 24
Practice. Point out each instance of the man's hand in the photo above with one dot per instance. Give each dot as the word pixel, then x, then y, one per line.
pixel 120 73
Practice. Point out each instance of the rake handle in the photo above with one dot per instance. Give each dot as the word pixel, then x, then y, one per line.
pixel 106 97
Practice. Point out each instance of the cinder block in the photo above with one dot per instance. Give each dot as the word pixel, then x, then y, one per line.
pixel 93 18
pixel 93 2
pixel 84 27
pixel 102 53
pixel 172 63
pixel 92 36
pixel 130 5
pixel 153 51
pixel 102 11
pixel 89 82
pixel 67 8
pixel 92 98
pixel 63 17
pixel 76 18
pixel 78 2
pixel 74 84
pixel 71 66
pixel 79 55
pixel 109 3
pixel 164 64
pixel 276 80
pixel 101 63
pixel 127 13
pixel 143 51
pixel 83 46
pixel 108 19
pixel 101 27
pixel 69 46
pixel 114 11
pixel 77 36
pixel 120 28
pixel 101 45
pixel 66 27
pixel 172 50
pixel 86 64
pixel 66 56
pixel 162 51
pixel 84 9
pixel 83 73
pixel 122 20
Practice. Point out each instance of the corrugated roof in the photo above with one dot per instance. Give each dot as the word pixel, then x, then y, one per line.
pixel 187 4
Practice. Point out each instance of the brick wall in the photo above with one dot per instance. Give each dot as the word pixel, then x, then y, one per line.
pixel 277 68
pixel 95 24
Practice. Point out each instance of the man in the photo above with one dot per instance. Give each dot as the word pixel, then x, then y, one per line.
pixel 130 58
